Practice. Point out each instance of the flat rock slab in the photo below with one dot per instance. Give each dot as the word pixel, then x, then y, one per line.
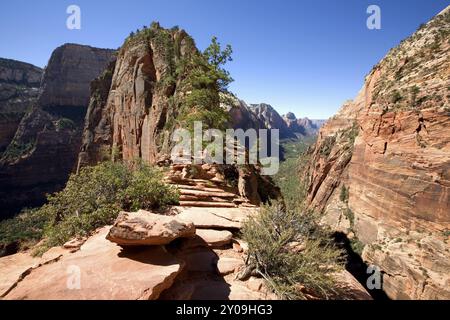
pixel 350 288
pixel 227 265
pixel 101 270
pixel 146 228
pixel 12 268
pixel 208 238
pixel 216 238
pixel 215 218
pixel 15 267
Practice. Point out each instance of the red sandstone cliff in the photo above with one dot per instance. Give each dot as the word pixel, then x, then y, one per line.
pixel 380 170
pixel 43 152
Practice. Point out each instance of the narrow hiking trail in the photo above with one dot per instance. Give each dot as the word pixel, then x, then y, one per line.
pixel 215 258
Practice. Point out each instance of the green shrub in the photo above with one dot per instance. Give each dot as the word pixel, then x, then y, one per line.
pixel 15 150
pixel 327 145
pixel 26 229
pixel 146 190
pixel 291 274
pixel 65 123
pixel 350 216
pixel 343 196
pixel 395 96
pixel 357 246
pixel 91 199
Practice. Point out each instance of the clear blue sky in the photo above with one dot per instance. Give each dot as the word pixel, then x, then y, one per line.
pixel 305 56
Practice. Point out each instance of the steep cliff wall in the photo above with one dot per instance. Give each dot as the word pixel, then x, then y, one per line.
pixel 46 143
pixel 302 126
pixel 19 89
pixel 380 170
pixel 134 117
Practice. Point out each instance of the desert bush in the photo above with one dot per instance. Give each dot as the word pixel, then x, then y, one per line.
pixel 92 199
pixel 344 195
pixel 395 96
pixel 25 230
pixel 294 255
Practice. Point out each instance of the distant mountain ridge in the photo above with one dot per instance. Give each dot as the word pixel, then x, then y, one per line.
pixel 264 116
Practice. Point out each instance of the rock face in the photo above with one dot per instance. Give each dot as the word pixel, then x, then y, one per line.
pixel 303 126
pixel 381 166
pixel 19 89
pixel 132 116
pixel 46 143
pixel 100 270
pixel 67 77
pixel 146 228
pixel 264 116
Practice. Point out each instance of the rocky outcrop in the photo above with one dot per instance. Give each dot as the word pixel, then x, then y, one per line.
pixel 46 143
pixel 381 167
pixel 99 270
pixel 272 120
pixel 264 116
pixel 69 72
pixel 145 228
pixel 204 266
pixel 303 126
pixel 19 89
pixel 133 117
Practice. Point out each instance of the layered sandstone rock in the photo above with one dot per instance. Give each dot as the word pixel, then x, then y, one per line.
pixel 19 89
pixel 99 270
pixel 146 228
pixel 132 117
pixel 381 166
pixel 67 77
pixel 46 143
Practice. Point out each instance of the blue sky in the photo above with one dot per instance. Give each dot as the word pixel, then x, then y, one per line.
pixel 305 56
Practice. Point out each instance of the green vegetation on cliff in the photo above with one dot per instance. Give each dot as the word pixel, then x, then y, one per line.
pixel 292 187
pixel 197 79
pixel 91 199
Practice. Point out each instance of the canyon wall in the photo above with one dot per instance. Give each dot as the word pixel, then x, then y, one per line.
pixel 380 170
pixel 133 108
pixel 46 143
pixel 19 89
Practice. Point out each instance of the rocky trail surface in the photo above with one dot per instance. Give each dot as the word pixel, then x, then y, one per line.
pixel 193 251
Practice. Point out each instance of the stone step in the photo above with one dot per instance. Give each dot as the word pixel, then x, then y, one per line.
pixel 207 204
pixel 199 188
pixel 208 199
pixel 191 182
pixel 206 194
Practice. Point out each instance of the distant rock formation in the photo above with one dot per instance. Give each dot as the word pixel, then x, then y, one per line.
pixel 380 170
pixel 264 116
pixel 70 70
pixel 46 143
pixel 133 117
pixel 19 89
pixel 303 126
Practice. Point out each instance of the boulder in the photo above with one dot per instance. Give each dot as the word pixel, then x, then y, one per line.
pixel 208 238
pixel 215 218
pixel 146 228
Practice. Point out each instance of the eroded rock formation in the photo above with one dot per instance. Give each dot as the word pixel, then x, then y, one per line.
pixel 19 89
pixel 46 143
pixel 131 117
pixel 380 169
